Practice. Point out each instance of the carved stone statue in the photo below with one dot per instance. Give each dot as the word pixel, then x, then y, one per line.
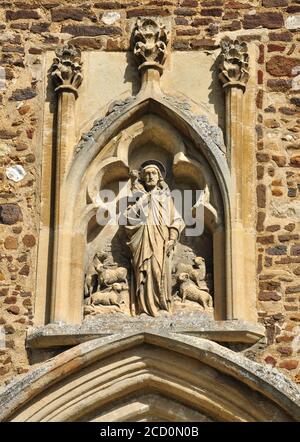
pixel 153 228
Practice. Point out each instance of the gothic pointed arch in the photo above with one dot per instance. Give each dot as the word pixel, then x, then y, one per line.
pixel 100 379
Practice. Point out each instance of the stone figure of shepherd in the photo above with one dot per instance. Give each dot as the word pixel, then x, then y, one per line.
pixel 153 228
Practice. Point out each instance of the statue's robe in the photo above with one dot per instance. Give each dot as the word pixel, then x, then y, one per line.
pixel 149 222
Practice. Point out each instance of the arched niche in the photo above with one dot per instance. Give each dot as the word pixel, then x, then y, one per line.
pixel 150 136
pixel 196 158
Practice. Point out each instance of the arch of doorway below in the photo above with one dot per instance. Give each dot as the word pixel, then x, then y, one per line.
pixel 211 382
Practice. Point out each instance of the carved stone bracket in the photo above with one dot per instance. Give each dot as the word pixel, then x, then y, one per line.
pixel 66 70
pixel 234 74
pixel 234 63
pixel 150 41
pixel 150 44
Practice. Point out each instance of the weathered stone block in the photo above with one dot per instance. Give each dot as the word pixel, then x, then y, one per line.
pixel 14 309
pixel 180 45
pixel 269 239
pixel 91 31
pixel 181 21
pixel 268 296
pixel 69 13
pixel 144 12
pixel 293 289
pixel 186 12
pixel 23 94
pixel 8 134
pixel 192 31
pixel 270 360
pixel 273 228
pixel 11 243
pixel 10 214
pixel 262 157
pixel 280 66
pixel 39 28
pixel 29 240
pixel 202 21
pixel 212 3
pixel 277 250
pixel 108 5
pixel 22 14
pixel 292 22
pixel 10 300
pixel 213 12
pixel 293 9
pixel 87 43
pixel 295 161
pixel 295 250
pixel 261 195
pixel 237 5
pixel 280 160
pixel 205 43
pixel 286 351
pixel 295 101
pixel 270 20
pixel 274 3
pixel 289 364
pixel 24 270
pixel 280 36
pixel 281 85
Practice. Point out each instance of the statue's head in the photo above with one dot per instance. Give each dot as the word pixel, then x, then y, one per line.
pixel 199 261
pixel 183 277
pixel 152 174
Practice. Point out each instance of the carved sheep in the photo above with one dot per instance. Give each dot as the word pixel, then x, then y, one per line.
pixel 110 297
pixel 107 277
pixel 196 272
pixel 188 290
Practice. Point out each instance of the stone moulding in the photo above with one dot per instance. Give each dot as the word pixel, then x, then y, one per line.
pixel 211 133
pixel 115 109
pixel 190 380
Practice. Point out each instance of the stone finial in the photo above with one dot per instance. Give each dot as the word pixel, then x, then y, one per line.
pixel 150 44
pixel 66 69
pixel 234 66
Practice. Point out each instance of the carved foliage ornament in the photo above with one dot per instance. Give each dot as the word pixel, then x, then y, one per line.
pixel 66 69
pixel 150 43
pixel 234 65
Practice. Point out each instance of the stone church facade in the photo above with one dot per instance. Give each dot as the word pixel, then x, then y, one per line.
pixel 150 211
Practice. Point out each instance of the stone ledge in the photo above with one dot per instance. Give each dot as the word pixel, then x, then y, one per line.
pixel 197 325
